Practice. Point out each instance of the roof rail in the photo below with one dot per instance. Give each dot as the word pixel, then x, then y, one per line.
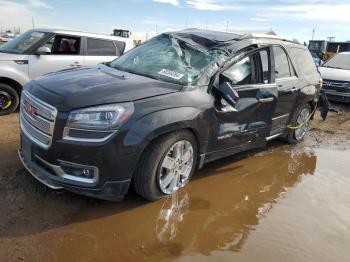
pixel 254 35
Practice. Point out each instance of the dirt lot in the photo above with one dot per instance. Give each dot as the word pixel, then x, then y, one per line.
pixel 285 203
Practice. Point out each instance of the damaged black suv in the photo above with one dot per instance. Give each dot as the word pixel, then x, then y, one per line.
pixel 158 112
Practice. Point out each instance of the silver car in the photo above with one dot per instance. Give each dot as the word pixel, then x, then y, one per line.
pixel 336 77
pixel 41 51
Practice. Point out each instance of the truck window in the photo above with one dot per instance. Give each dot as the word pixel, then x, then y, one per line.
pixel 120 47
pixel 64 45
pixel 98 47
pixel 305 62
pixel 281 63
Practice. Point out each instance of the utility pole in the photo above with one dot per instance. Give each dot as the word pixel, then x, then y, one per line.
pixel 227 22
pixel 206 25
pixel 33 21
pixel 156 29
pixel 313 34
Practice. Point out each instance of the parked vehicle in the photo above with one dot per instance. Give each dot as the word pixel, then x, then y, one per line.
pixel 336 77
pixel 7 37
pixel 41 51
pixel 163 109
pixel 327 49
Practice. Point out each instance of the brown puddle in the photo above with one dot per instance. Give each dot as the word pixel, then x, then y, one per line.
pixel 274 206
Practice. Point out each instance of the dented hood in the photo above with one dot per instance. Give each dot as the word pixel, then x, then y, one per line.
pixel 71 89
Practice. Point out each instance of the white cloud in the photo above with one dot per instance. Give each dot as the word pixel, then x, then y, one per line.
pixel 10 10
pixel 39 3
pixel 19 15
pixel 213 5
pixel 260 19
pixel 322 12
pixel 172 2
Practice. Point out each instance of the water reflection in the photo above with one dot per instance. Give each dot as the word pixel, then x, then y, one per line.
pixel 171 213
pixel 217 212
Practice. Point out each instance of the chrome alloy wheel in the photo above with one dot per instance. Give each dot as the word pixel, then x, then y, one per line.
pixel 176 167
pixel 302 118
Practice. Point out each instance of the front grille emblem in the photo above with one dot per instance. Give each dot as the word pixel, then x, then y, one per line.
pixel 31 110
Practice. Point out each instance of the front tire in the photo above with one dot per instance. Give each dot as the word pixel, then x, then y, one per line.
pixel 301 115
pixel 166 165
pixel 9 99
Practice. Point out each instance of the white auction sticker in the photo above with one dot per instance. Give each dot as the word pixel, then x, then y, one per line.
pixel 171 74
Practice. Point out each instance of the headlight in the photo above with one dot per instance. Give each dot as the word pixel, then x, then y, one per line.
pixel 97 123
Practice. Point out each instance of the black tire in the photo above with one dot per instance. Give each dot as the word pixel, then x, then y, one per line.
pixel 9 99
pixel 145 180
pixel 291 136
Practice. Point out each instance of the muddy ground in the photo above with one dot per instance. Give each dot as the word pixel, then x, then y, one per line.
pixel 284 203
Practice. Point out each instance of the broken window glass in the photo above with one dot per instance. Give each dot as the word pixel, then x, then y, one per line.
pixel 168 59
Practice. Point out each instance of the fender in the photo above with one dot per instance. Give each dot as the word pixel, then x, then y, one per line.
pixel 161 122
pixel 17 73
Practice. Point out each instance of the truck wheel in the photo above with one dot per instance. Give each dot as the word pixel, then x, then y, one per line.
pixel 166 165
pixel 9 99
pixel 301 114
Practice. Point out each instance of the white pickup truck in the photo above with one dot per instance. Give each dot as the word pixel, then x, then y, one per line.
pixel 41 51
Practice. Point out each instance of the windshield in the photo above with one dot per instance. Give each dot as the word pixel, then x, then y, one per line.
pixel 168 59
pixel 22 43
pixel 341 61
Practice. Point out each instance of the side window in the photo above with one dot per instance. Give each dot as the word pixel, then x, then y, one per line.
pixel 281 63
pixel 98 47
pixel 253 69
pixel 240 73
pixel 120 47
pixel 305 61
pixel 265 67
pixel 64 45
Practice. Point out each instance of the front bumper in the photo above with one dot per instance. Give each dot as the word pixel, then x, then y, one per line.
pixel 337 96
pixel 107 189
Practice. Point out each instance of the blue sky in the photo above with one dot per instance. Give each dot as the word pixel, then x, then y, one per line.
pixel 288 18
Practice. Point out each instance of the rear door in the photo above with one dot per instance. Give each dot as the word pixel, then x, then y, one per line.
pixel 101 50
pixel 249 122
pixel 65 53
pixel 287 84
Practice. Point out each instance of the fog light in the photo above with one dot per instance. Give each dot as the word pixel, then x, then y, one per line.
pixel 86 172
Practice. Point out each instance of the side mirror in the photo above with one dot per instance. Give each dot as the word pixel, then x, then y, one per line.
pixel 228 93
pixel 43 51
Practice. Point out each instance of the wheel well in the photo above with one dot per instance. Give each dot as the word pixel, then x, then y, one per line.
pixel 176 130
pixel 17 86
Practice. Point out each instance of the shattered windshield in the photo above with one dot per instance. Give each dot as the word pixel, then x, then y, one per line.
pixel 341 61
pixel 22 43
pixel 168 59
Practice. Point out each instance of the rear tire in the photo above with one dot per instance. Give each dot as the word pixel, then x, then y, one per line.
pixel 296 135
pixel 151 176
pixel 9 99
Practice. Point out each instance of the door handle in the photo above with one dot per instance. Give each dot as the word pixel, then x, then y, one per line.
pixel 266 100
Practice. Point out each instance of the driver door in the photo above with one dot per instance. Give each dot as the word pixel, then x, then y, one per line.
pixel 247 124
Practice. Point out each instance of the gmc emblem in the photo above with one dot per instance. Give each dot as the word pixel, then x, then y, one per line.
pixel 328 83
pixel 31 110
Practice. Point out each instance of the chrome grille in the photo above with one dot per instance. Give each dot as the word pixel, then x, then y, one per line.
pixel 37 120
pixel 333 83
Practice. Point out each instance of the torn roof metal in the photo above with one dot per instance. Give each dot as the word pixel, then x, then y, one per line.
pixel 208 39
pixel 205 38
